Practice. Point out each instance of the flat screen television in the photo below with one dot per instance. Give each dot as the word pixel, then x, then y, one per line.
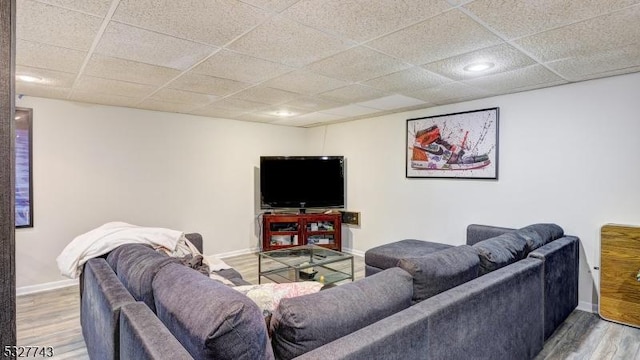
pixel 301 182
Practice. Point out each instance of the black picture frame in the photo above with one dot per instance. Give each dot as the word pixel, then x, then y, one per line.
pixel 461 145
pixel 23 165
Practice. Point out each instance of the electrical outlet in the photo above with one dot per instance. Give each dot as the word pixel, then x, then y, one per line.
pixel 350 217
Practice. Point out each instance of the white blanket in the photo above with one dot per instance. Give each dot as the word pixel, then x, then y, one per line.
pixel 109 236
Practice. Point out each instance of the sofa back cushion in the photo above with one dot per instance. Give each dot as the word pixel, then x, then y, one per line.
pixel 136 265
pixel 538 235
pixel 211 320
pixel 477 232
pixel 442 270
pixel 500 251
pixel 303 323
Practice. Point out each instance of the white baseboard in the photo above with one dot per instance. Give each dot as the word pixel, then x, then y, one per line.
pixel 32 289
pixel 354 252
pixel 588 307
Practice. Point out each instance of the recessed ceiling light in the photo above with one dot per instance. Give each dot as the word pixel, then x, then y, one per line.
pixel 478 67
pixel 29 78
pixel 284 113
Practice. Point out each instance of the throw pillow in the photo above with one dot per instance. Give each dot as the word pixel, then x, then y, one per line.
pixel 268 296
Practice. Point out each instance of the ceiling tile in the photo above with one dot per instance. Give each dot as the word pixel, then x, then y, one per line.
pixel 516 18
pixel 313 103
pixel 44 56
pixel 350 110
pixel 93 7
pixel 257 117
pixel 38 90
pixel 118 69
pixel 587 38
pixel 265 95
pixel 358 64
pixel 455 3
pixel 392 102
pixel 440 37
pixel 516 80
pixel 212 111
pixel 239 67
pixel 288 42
pixel 362 20
pixel 449 93
pixel 55 26
pixel 308 119
pixel 617 61
pixel 237 105
pixel 504 58
pixel 131 43
pixel 104 99
pixel 151 104
pixel 90 84
pixel 214 22
pixel 47 77
pixel 412 79
pixel 182 97
pixel 305 82
pixel 271 5
pixel 353 93
pixel 207 84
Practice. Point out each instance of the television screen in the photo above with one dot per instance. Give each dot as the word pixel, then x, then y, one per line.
pixel 301 182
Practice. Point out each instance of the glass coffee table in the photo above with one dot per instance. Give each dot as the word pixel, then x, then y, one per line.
pixel 304 263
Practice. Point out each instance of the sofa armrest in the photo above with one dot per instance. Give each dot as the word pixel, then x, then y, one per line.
pixel 561 270
pixel 144 337
pixel 477 233
pixel 103 297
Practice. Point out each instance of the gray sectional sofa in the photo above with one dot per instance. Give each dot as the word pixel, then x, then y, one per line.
pixel 441 302
pixel 137 303
pixel 501 305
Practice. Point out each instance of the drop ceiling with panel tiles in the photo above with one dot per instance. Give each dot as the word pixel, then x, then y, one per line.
pixel 310 62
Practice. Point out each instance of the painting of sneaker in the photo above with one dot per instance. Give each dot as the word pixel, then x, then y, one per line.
pixel 461 145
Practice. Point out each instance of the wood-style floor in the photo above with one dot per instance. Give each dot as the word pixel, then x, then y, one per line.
pixel 52 318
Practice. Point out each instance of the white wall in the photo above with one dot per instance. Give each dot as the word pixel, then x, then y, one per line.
pixel 568 155
pixel 94 164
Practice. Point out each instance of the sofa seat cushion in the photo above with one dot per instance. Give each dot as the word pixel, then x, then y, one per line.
pixel 500 251
pixel 387 256
pixel 211 320
pixel 538 235
pixel 136 267
pixel 303 323
pixel 436 272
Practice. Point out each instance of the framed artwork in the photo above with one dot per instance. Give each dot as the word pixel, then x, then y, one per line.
pixel 460 145
pixel 24 179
